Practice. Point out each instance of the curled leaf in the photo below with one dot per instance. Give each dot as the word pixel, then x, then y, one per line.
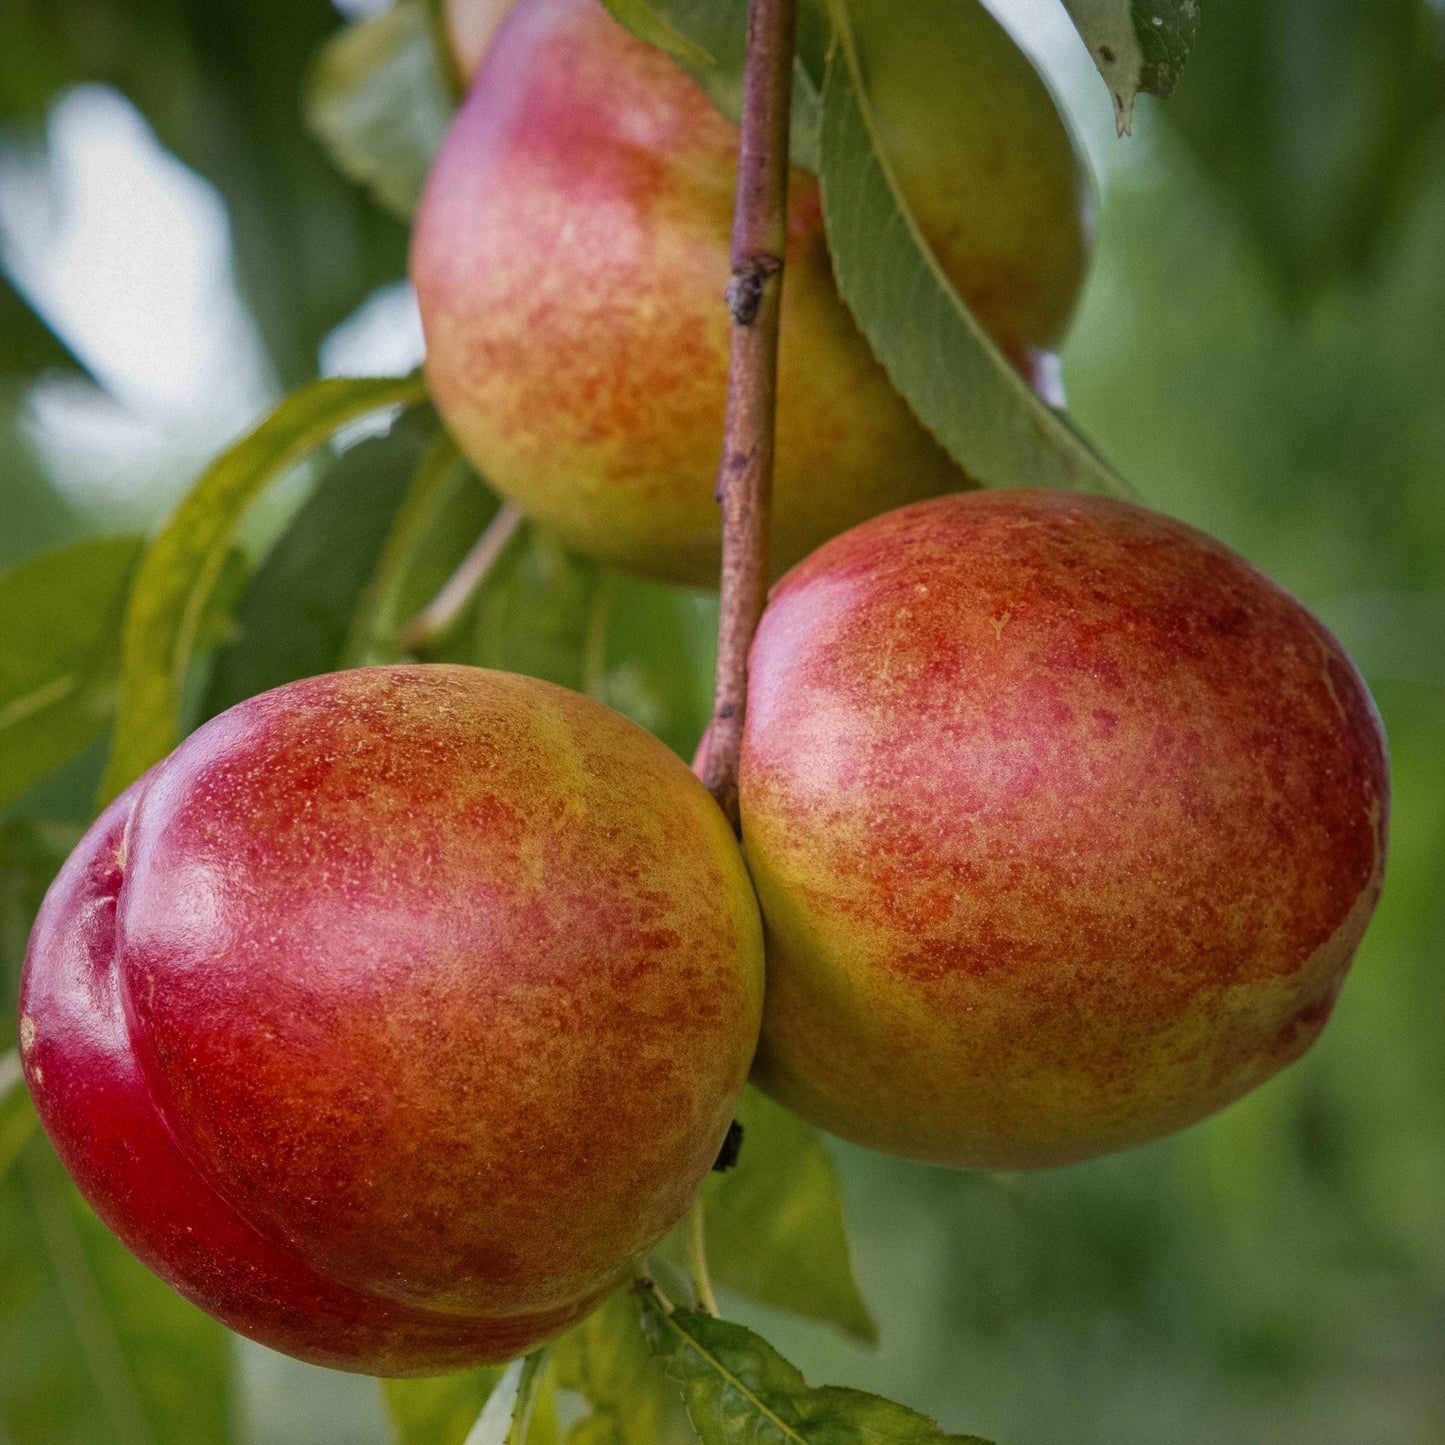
pixel 1137 45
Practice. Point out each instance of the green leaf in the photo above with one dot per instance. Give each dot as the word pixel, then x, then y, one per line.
pixel 643 648
pixel 379 609
pixel 775 1229
pixel 740 1391
pixel 60 615
pixel 656 663
pixel 709 38
pixel 295 615
pixel 520 1410
pixel 953 375
pixel 606 1360
pixel 30 856
pixel 380 102
pixel 646 21
pixel 96 1349
pixel 1137 45
pixel 440 1411
pixel 538 613
pixel 182 564
pixel 17 1114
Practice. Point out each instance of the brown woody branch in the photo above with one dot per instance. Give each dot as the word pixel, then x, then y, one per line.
pixel 754 296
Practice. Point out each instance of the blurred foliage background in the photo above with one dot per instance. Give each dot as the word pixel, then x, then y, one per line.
pixel 1261 351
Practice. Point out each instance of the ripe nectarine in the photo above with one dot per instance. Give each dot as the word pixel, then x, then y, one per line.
pixel 396 1011
pixel 1065 822
pixel 572 251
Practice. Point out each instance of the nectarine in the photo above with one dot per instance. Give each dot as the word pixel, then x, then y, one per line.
pixel 1065 822
pixel 572 251
pixel 396 1011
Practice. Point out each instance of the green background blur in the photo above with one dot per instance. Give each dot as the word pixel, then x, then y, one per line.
pixel 1261 351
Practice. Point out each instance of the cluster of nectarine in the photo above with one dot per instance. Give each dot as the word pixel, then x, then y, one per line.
pixel 397 1012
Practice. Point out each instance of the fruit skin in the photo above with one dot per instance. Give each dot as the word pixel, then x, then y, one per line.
pixel 572 250
pixel 396 1011
pixel 1066 823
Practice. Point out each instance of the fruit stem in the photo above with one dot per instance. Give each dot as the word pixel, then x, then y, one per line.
pixel 754 296
pixel 434 621
pixel 697 1260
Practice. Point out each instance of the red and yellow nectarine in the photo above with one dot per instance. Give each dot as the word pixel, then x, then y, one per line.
pixel 572 251
pixel 396 1011
pixel 1065 822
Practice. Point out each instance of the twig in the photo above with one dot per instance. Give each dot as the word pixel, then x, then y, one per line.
pixel 697 1269
pixel 745 477
pixel 433 622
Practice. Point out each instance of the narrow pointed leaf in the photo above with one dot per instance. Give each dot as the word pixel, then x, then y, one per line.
pixel 181 566
pixel 953 375
pixel 377 613
pixel 295 614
